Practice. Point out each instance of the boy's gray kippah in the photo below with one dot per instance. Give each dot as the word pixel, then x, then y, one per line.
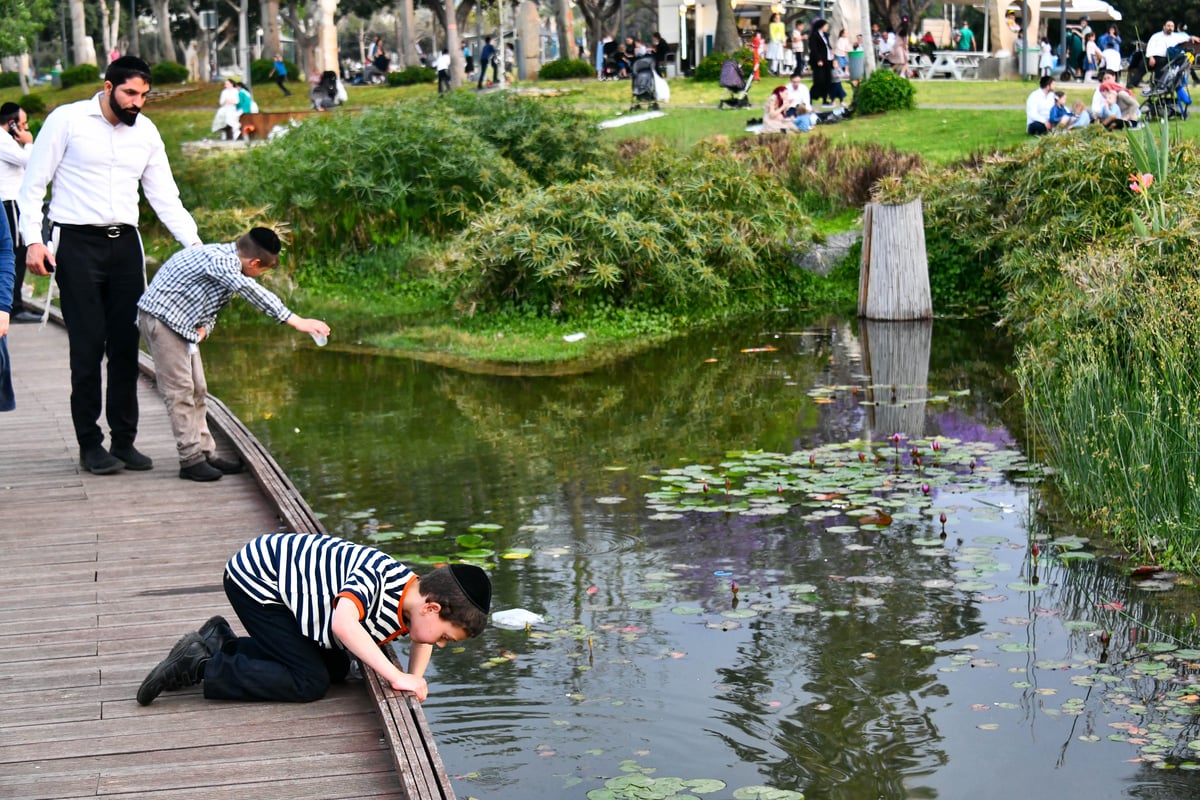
pixel 475 583
pixel 267 239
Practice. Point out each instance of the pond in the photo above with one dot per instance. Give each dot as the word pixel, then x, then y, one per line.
pixel 735 546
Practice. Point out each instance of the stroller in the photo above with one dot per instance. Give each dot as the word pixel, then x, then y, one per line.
pixel 1168 94
pixel 644 90
pixel 739 88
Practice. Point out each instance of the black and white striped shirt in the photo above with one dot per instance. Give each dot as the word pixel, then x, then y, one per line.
pixel 307 572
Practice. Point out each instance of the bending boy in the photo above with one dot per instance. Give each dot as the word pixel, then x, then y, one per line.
pixel 179 310
pixel 308 602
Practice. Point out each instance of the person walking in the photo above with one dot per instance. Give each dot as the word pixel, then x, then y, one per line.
pixel 487 57
pixel 279 70
pixel 95 251
pixel 14 155
pixel 820 59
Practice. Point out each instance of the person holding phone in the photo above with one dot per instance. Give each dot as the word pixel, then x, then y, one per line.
pixel 14 155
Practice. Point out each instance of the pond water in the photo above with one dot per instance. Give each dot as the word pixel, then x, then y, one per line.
pixel 862 655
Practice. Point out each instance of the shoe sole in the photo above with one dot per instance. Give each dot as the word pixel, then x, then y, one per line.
pixel 200 479
pixel 137 466
pixel 109 470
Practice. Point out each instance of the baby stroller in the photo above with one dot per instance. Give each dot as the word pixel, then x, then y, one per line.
pixel 739 88
pixel 643 83
pixel 1168 95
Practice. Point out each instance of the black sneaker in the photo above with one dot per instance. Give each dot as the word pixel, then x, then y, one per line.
pixel 132 458
pixel 25 316
pixel 216 633
pixel 200 471
pixel 99 461
pixel 226 466
pixel 183 667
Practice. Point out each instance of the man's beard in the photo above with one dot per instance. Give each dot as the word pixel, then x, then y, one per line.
pixel 126 115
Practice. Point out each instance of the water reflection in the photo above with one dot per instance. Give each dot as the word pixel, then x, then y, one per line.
pixel 910 666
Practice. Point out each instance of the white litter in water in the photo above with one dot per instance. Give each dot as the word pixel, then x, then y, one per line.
pixel 632 118
pixel 516 618
pixel 574 337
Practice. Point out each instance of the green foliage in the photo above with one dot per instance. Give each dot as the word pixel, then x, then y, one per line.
pixel 565 68
pixel 712 237
pixel 412 75
pixel 262 70
pixel 9 80
pixel 79 74
pixel 354 182
pixel 33 104
pixel 167 72
pixel 550 142
pixel 884 90
pixel 24 21
pixel 709 68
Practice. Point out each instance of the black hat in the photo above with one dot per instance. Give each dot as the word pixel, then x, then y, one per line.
pixel 267 239
pixel 475 583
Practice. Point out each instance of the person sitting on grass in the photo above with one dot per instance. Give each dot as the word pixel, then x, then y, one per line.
pixel 1110 112
pixel 308 603
pixel 1038 105
pixel 178 311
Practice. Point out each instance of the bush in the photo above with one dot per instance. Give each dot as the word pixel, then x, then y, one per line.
pixel 709 69
pixel 565 68
pixel 9 80
pixel 412 75
pixel 262 70
pixel 33 104
pixel 79 75
pixel 168 72
pixel 884 91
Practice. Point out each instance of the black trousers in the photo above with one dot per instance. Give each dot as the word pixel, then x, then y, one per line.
pixel 100 281
pixel 279 81
pixel 275 662
pixel 12 215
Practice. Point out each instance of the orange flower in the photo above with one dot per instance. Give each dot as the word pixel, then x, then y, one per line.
pixel 1140 183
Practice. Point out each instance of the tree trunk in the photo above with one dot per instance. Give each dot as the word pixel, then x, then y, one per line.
pixel 406 39
pixel 327 49
pixel 106 36
pixel 269 12
pixel 204 51
pixel 458 65
pixel 894 278
pixel 896 360
pixel 566 29
pixel 726 39
pixel 79 38
pixel 162 15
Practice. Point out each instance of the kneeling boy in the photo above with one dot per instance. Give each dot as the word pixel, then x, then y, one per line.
pixel 310 601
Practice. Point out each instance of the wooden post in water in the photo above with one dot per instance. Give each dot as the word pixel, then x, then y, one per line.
pixel 893 281
pixel 896 360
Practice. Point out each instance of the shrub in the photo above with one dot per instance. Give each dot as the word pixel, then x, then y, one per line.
pixel 262 70
pixel 168 72
pixel 79 75
pixel 33 104
pixel 9 80
pixel 709 68
pixel 883 91
pixel 565 68
pixel 549 141
pixel 412 75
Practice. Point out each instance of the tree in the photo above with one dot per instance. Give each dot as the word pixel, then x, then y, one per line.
pixel 79 39
pixel 565 27
pixel 166 42
pixel 269 12
pixel 597 15
pixel 726 39
pixel 891 11
pixel 24 21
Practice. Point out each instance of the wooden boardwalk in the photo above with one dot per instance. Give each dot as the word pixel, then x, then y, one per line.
pixel 102 574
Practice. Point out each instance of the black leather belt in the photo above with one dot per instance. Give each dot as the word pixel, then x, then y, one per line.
pixel 107 231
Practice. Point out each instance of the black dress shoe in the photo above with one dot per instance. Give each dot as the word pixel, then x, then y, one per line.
pixel 24 316
pixel 183 667
pixel 200 471
pixel 132 459
pixel 216 633
pixel 99 461
pixel 225 465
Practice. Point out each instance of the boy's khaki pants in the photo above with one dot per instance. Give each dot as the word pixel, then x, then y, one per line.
pixel 183 388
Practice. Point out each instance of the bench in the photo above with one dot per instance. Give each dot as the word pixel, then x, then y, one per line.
pixel 259 125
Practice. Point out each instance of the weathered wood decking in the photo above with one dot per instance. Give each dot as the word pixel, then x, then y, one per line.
pixel 101 575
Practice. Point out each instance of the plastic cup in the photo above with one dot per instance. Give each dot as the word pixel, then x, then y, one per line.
pixel 320 339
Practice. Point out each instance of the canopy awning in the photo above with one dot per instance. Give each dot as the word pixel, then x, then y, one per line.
pixel 1092 9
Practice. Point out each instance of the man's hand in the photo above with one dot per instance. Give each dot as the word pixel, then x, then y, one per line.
pixel 202 332
pixel 308 325
pixel 37 257
pixel 3 323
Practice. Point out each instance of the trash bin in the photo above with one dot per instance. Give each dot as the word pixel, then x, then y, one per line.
pixel 1028 59
pixel 856 64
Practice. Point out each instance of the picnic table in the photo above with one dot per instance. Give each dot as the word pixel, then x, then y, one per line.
pixel 957 64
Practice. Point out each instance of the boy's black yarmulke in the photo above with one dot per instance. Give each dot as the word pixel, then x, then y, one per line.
pixel 475 583
pixel 267 239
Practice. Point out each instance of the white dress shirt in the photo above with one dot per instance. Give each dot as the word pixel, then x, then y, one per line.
pixel 1037 109
pixel 96 167
pixel 13 158
pixel 1158 44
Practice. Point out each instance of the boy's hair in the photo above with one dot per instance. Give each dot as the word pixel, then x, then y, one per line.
pixel 464 592
pixel 127 67
pixel 260 243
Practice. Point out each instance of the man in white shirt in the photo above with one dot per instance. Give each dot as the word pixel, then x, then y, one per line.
pixel 15 143
pixel 796 98
pixel 97 152
pixel 1159 43
pixel 1037 107
pixel 442 65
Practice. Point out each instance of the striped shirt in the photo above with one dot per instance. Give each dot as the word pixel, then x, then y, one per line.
pixel 195 284
pixel 307 572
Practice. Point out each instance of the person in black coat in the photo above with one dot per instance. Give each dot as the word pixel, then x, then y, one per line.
pixel 820 60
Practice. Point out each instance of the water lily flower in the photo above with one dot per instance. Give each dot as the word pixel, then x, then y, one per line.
pixel 896 439
pixel 936 445
pixel 924 488
pixel 942 518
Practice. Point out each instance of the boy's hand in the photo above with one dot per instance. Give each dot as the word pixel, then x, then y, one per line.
pixel 404 682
